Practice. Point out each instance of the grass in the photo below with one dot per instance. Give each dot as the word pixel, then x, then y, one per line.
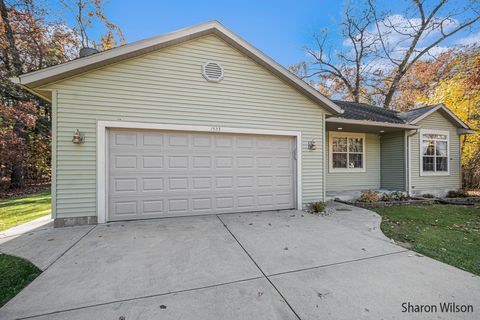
pixel 15 274
pixel 20 210
pixel 449 233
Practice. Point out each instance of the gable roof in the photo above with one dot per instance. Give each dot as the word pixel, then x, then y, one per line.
pixel 366 112
pixel 413 114
pixel 33 80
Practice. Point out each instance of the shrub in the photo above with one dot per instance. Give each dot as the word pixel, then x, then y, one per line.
pixel 460 193
pixel 317 207
pixel 428 195
pixel 369 196
pixel 394 196
pixel 399 196
pixel 387 197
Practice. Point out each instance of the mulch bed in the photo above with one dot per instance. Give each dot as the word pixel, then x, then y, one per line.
pixel 462 201
pixel 384 204
pixel 469 201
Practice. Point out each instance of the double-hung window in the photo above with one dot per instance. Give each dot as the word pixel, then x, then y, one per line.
pixel 434 148
pixel 347 152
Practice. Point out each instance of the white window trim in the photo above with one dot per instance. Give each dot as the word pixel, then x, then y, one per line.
pixel 102 153
pixel 433 173
pixel 333 134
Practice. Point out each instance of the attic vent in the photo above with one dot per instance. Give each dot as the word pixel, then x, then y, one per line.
pixel 212 71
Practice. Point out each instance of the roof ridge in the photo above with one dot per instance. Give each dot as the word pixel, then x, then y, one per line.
pixel 367 105
pixel 36 79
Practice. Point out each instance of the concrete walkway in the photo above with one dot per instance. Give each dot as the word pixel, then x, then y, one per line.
pixel 270 265
pixel 38 242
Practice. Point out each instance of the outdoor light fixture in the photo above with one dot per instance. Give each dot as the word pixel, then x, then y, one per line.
pixel 312 145
pixel 78 137
pixel 340 128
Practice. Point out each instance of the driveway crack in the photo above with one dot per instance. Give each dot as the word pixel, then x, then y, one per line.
pixel 260 269
pixel 69 248
pixel 337 263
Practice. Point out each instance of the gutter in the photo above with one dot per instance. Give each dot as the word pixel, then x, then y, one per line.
pixel 17 81
pixel 461 131
pixel 372 123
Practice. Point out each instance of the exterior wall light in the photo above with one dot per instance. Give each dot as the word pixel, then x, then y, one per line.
pixel 78 137
pixel 312 145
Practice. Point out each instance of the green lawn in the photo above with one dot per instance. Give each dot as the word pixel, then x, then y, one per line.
pixel 448 233
pixel 20 210
pixel 15 274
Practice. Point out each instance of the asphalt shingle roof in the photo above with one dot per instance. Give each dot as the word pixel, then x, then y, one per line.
pixel 413 114
pixel 363 111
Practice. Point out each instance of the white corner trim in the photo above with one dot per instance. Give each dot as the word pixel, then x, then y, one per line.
pixel 325 154
pixel 421 132
pixel 54 155
pixel 102 147
pixel 408 149
pixel 333 134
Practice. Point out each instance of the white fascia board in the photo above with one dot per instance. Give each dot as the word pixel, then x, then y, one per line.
pixel 465 131
pixel 68 69
pixel 444 108
pixel 372 123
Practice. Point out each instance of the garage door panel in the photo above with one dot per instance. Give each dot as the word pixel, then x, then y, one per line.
pixel 162 173
pixel 174 183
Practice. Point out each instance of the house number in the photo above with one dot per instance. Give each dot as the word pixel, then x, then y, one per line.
pixel 215 129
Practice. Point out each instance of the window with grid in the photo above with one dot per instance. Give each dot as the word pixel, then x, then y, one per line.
pixel 434 147
pixel 347 152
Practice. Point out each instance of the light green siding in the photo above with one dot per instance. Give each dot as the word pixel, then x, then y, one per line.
pixel 393 161
pixel 355 181
pixel 431 184
pixel 167 87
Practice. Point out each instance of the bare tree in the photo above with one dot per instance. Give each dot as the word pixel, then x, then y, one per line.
pixel 86 13
pixel 423 28
pixel 347 68
pixel 380 47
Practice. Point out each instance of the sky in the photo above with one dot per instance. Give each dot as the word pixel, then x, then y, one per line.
pixel 281 29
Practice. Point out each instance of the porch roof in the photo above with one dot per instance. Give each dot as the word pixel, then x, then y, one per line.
pixel 352 125
pixel 362 117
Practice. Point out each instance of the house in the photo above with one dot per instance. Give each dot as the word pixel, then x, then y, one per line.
pixel 199 121
pixel 416 151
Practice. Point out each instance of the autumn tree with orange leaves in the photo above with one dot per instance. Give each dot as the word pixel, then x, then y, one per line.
pixel 459 90
pixel 29 41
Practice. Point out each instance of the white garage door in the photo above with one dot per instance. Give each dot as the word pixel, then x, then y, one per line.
pixel 155 173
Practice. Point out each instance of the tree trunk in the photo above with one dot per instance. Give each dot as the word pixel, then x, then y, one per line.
pixel 393 88
pixel 16 63
pixel 15 69
pixel 16 176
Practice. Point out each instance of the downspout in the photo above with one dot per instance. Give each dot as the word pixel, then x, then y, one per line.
pixel 408 135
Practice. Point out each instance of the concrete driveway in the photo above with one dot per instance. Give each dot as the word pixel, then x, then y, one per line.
pixel 270 265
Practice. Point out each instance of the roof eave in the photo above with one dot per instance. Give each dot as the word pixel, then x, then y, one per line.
pixel 38 78
pixel 372 123
pixel 465 131
pixel 444 108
